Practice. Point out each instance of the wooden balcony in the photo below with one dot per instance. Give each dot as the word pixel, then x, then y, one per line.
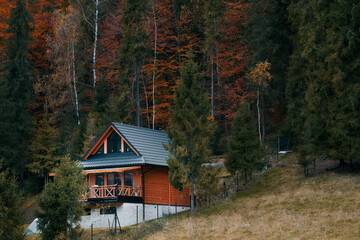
pixel 112 192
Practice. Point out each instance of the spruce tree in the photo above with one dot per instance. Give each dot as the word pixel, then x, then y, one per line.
pixel 10 208
pixel 324 77
pixel 44 147
pixel 190 129
pixel 244 153
pixel 16 91
pixel 59 202
pixel 133 47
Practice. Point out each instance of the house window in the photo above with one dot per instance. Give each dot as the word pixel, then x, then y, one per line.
pixel 114 178
pixel 128 179
pixel 114 143
pixel 127 148
pixel 99 179
pixel 107 210
pixel 101 150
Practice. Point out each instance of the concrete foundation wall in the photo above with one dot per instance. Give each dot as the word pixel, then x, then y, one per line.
pixel 129 214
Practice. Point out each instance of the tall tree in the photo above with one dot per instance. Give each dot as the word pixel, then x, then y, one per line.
pixel 61 88
pixel 326 72
pixel 269 38
pixel 10 207
pixel 232 61
pixel 61 208
pixel 189 131
pixel 244 153
pixel 260 77
pixel 134 45
pixel 16 90
pixel 213 15
pixel 44 147
pixel 93 11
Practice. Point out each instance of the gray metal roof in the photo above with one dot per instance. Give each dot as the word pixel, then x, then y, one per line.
pixel 112 160
pixel 147 142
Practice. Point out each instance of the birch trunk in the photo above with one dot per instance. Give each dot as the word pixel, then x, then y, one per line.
pixel 70 74
pixel 74 81
pixel 154 70
pixel 96 19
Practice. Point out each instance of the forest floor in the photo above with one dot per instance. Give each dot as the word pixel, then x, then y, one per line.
pixel 279 204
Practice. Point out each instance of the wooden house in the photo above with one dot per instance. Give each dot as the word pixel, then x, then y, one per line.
pixel 127 172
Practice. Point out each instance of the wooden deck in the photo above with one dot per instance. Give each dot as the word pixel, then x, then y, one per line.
pixel 112 191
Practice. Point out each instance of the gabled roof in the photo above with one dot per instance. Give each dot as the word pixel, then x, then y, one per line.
pixel 147 143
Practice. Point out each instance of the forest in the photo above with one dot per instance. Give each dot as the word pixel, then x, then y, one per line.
pixel 68 68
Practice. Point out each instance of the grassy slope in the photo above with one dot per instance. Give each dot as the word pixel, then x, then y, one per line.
pixel 280 204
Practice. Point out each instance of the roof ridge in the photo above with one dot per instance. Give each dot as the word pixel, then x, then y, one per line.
pixel 144 128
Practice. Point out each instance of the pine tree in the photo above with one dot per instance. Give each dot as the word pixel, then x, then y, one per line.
pixel 44 147
pixel 134 47
pixel 324 76
pixel 59 202
pixel 189 131
pixel 244 153
pixel 16 91
pixel 10 208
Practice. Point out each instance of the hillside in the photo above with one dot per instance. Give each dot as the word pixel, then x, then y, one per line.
pixel 280 204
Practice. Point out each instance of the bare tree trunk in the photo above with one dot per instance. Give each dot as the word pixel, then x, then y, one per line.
pixel 192 199
pixel 212 86
pixel 137 92
pixel 154 70
pixel 259 117
pixel 147 103
pixel 96 20
pixel 74 81
pixel 70 75
pixel 217 66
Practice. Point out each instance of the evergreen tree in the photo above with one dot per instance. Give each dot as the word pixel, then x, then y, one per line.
pixel 133 47
pixel 59 202
pixel 44 148
pixel 16 91
pixel 10 208
pixel 269 38
pixel 325 74
pixel 213 14
pixel 244 153
pixel 189 131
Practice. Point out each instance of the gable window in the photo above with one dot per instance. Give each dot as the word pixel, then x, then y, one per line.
pixel 127 148
pixel 128 179
pixel 114 143
pixel 101 150
pixel 99 179
pixel 114 178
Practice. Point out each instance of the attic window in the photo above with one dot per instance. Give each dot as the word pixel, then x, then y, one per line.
pixel 127 148
pixel 114 143
pixel 101 150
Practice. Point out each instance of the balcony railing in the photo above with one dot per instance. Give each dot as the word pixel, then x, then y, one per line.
pixel 112 191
